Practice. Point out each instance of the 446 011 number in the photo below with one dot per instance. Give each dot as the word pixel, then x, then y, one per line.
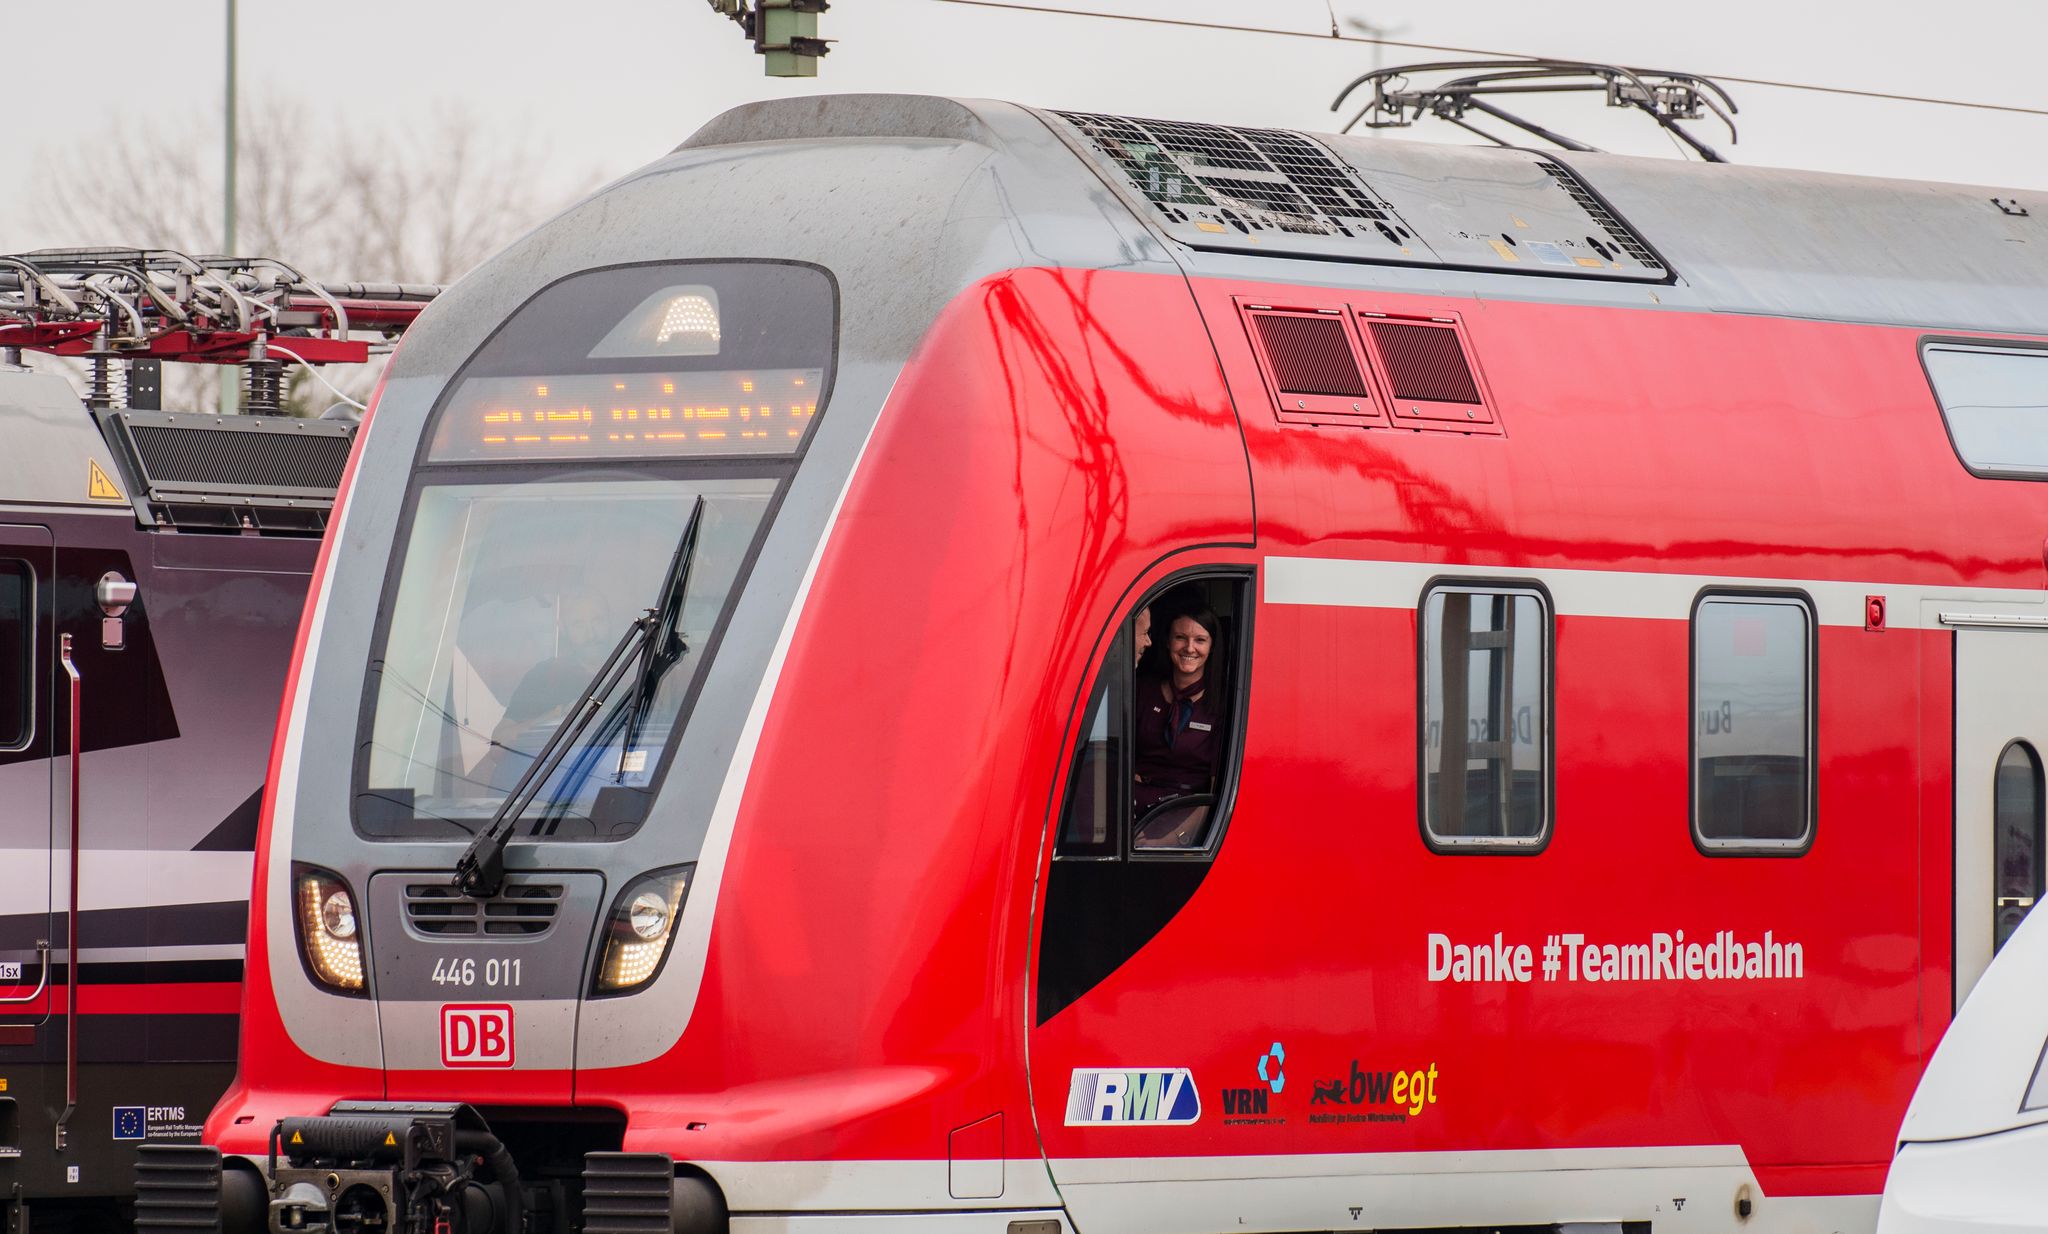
pixel 465 972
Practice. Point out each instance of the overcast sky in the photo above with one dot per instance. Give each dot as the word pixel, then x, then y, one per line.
pixel 602 86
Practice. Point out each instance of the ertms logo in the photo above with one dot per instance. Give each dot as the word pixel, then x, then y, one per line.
pixel 1137 1096
pixel 1251 1106
pixel 1374 1096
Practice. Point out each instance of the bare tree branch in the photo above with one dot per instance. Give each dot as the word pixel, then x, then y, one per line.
pixel 419 203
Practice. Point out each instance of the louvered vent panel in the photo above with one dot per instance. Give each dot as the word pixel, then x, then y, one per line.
pixel 520 910
pixel 181 458
pixel 1246 180
pixel 177 1189
pixel 628 1193
pixel 1310 355
pixel 1617 232
pixel 1424 362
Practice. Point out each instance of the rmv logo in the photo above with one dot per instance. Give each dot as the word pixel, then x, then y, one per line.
pixel 1151 1096
pixel 476 1035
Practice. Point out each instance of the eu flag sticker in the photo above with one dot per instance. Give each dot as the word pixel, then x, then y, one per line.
pixel 129 1123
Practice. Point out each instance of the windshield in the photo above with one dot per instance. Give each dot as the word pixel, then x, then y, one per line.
pixel 510 599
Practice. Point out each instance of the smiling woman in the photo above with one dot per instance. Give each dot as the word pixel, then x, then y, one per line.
pixel 1180 715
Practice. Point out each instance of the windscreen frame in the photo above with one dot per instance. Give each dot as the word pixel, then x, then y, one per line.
pixel 427 473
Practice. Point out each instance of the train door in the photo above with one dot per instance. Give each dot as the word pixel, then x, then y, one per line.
pixel 2001 736
pixel 28 835
pixel 1127 950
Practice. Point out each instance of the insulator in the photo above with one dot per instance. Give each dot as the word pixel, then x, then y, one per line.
pixel 262 387
pixel 107 386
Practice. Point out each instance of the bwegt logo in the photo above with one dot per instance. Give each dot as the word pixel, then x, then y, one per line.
pixel 1374 1096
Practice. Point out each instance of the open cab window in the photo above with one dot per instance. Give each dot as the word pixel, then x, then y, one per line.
pixel 1153 769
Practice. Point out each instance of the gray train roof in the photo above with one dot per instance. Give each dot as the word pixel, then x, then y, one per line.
pixel 50 446
pixel 1351 211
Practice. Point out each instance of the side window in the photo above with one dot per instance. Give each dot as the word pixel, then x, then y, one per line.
pixel 1995 403
pixel 2016 841
pixel 1753 726
pixel 1096 793
pixel 1158 750
pixel 17 654
pixel 1485 735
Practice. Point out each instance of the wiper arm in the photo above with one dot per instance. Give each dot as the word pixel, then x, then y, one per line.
pixel 480 871
pixel 658 652
pixel 664 647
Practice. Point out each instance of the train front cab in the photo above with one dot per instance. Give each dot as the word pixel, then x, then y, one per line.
pixel 1514 897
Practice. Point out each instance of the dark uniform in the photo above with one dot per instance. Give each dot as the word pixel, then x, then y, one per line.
pixel 1180 741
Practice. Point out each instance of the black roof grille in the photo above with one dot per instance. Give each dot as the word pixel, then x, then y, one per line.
pixel 1618 233
pixel 1246 180
pixel 229 473
pixel 286 462
pixel 521 910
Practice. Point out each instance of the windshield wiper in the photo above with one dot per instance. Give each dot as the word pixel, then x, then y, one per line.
pixel 661 650
pixel 480 871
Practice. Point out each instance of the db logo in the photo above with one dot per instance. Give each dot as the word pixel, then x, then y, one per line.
pixel 476 1035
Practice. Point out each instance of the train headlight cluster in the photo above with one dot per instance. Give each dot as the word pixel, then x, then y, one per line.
pixel 641 926
pixel 329 936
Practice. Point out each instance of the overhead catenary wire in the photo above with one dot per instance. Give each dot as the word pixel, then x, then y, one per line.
pixel 1229 28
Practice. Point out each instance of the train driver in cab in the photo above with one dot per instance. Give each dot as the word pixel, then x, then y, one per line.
pixel 1179 717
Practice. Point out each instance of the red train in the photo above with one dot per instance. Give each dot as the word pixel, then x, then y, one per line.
pixel 725 782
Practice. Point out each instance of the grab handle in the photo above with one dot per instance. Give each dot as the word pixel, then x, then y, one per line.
pixel 42 962
pixel 71 929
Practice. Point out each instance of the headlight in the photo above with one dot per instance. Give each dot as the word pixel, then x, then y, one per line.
pixel 329 936
pixel 637 934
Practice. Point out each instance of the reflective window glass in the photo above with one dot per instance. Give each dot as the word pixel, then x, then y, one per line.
pixel 1752 722
pixel 1996 403
pixel 1095 794
pixel 1485 717
pixel 17 652
pixel 2016 841
pixel 505 611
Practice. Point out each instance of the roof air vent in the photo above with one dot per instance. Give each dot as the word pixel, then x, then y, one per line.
pixel 1312 365
pixel 1220 181
pixel 1429 377
pixel 1424 362
pixel 229 473
pixel 1618 233
pixel 1310 355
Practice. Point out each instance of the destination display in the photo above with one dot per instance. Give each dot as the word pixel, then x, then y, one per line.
pixel 627 415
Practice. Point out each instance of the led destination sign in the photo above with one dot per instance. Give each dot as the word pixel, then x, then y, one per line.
pixel 627 415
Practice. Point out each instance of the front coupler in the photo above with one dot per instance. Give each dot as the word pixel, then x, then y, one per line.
pixel 374 1167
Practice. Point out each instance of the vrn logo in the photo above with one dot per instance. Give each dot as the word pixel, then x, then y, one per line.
pixel 1239 1102
pixel 1150 1096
